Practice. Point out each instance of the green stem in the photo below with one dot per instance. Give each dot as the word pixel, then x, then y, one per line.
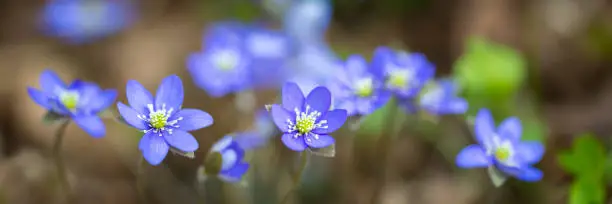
pixel 382 151
pixel 140 174
pixel 297 177
pixel 59 161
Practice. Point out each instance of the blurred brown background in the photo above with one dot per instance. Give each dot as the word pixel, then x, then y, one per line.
pixel 568 44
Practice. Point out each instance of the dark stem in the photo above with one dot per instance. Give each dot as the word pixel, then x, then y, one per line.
pixel 140 175
pixel 297 177
pixel 59 161
pixel 382 152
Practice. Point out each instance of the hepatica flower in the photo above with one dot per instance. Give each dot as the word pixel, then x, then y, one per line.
pixel 269 51
pixel 81 101
pixel 79 21
pixel 223 66
pixel 406 73
pixel 441 98
pixel 356 89
pixel 306 122
pixel 161 118
pixel 502 149
pixel 226 157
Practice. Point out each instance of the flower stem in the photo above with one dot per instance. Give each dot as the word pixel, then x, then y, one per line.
pixel 140 185
pixel 382 151
pixel 297 177
pixel 59 161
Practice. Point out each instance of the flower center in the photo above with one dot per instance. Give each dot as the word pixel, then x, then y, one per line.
pixel 399 78
pixel 363 87
pixel 158 119
pixel 69 99
pixel 306 121
pixel 226 60
pixel 502 154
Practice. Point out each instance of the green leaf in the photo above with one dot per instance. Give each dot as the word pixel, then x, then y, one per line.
pixel 586 159
pixel 489 72
pixel 587 191
pixel 498 178
pixel 51 118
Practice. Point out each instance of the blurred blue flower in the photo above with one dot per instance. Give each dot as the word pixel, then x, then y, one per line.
pixel 80 21
pixel 357 89
pixel 223 67
pixel 441 98
pixel 502 149
pixel 307 121
pixel 227 156
pixel 307 20
pixel 406 73
pixel 161 118
pixel 264 125
pixel 270 51
pixel 315 62
pixel 81 101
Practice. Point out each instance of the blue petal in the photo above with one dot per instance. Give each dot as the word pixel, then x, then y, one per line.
pixel 356 64
pixel 380 59
pixel 92 99
pixel 472 156
pixel 293 143
pixel 51 83
pixel 105 99
pixel 170 93
pixel 138 97
pixel 484 126
pixel 235 174
pixel 156 149
pixel 193 119
pixel 145 140
pixel 181 140
pixel 319 99
pixel 457 106
pixel 511 128
pixel 318 142
pixel 41 98
pixel 250 140
pixel 530 174
pixel 292 97
pixel 335 119
pixel 131 117
pixel 280 117
pixel 230 158
pixel 92 124
pixel 530 152
pixel 222 144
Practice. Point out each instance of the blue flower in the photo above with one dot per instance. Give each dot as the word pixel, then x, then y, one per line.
pixel 306 122
pixel 224 65
pixel 307 20
pixel 226 157
pixel 358 90
pixel 269 50
pixel 442 98
pixel 80 21
pixel 81 101
pixel 406 73
pixel 502 149
pixel 161 118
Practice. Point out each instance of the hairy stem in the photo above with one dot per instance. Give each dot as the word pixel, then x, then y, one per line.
pixel 382 151
pixel 297 177
pixel 59 161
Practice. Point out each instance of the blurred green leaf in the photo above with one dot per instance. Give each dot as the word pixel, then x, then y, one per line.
pixel 490 74
pixel 587 191
pixel 244 10
pixel 586 159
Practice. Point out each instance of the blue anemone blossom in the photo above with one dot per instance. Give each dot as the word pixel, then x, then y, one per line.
pixel 81 101
pixel 162 119
pixel 223 67
pixel 226 158
pixel 441 98
pixel 269 51
pixel 307 20
pixel 406 73
pixel 502 149
pixel 306 122
pixel 79 21
pixel 357 89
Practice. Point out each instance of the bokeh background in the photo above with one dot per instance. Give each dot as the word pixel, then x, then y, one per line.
pixel 566 46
